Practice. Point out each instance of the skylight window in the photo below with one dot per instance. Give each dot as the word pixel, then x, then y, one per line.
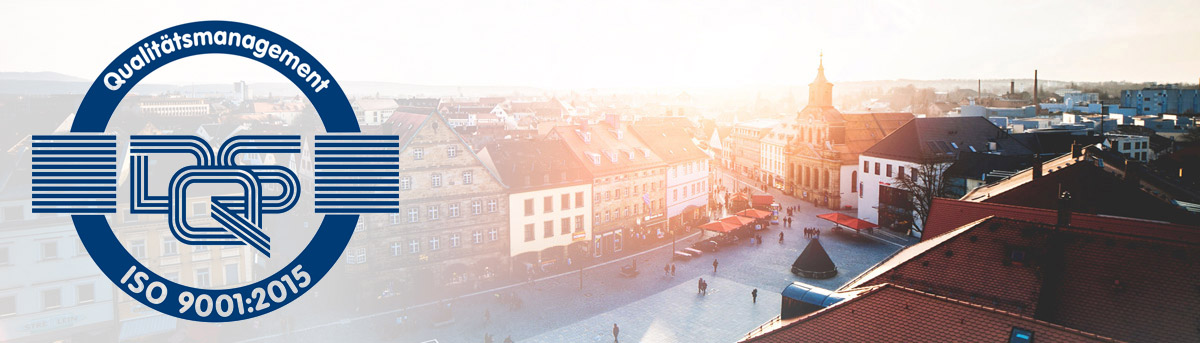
pixel 1020 335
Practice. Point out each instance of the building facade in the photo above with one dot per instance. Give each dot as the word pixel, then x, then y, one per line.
pixel 452 227
pixel 823 154
pixel 687 188
pixel 1163 99
pixel 549 221
pixel 628 183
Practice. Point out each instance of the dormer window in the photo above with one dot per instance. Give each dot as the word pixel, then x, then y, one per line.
pixel 595 158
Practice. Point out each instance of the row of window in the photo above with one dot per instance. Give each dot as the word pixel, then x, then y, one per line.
pixel 357 255
pixel 435 180
pixel 867 169
pixel 1135 145
pixel 696 188
pixel 688 168
pixel 51 299
pixel 170 247
pixel 623 212
pixel 548 228
pixel 434 212
pixel 548 203
pixel 628 191
pixel 418 153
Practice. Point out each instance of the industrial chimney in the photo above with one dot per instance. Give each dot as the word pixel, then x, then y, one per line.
pixel 1036 103
pixel 1064 209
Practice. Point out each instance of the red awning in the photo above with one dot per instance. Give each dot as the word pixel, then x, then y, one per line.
pixel 719 226
pixel 847 221
pixel 755 213
pixel 737 220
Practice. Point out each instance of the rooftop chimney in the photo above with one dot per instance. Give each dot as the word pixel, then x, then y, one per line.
pixel 1076 148
pixel 1064 209
pixel 1037 105
pixel 1012 87
pixel 1037 167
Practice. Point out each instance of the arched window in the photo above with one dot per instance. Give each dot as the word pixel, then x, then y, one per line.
pixel 854 181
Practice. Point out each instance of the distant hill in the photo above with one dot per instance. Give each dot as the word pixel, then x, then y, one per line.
pixel 39 76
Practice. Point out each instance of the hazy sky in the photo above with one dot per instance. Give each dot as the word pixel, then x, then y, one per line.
pixel 576 44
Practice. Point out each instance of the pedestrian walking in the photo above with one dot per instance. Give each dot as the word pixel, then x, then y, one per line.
pixel 714 266
pixel 672 270
pixel 616 332
pixel 700 286
pixel 781 237
pixel 666 269
pixel 754 296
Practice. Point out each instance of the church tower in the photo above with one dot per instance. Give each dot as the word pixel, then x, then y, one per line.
pixel 820 91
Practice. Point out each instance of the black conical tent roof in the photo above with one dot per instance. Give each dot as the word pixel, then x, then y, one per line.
pixel 814 262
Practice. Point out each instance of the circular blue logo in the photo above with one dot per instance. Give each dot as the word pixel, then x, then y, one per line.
pixel 313 262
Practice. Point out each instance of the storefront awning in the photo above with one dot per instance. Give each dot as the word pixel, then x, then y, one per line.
pixel 755 213
pixel 719 226
pixel 146 326
pixel 737 220
pixel 847 221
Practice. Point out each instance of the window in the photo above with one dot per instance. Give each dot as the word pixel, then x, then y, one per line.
pixel 8 306
pixel 231 274
pixel 455 240
pixel 173 276
pixel 170 247
pixel 578 223
pixel 199 248
pixel 435 244
pixel 854 180
pixel 433 212
pixel 866 167
pixel 548 228
pixel 607 195
pixel 452 151
pixel 80 250
pixel 674 195
pixel 394 218
pixel 435 180
pixel 547 204
pixel 493 234
pixel 492 206
pixel 405 183
pixel 876 168
pixel 477 237
pixel 414 246
pixel 565 226
pixel 4 259
pixel 566 202
pixel 596 220
pixel 900 172
pixel 84 293
pixel 202 278
pixel 1020 335
pixel 356 255
pixel 1126 145
pixel 412 215
pixel 138 248
pixel 578 199
pixel 49 250
pixel 51 299
pixel 528 207
pixel 528 232
pixel 396 248
pixel 468 177
pixel 889 170
pixel 454 210
pixel 476 207
pixel 418 153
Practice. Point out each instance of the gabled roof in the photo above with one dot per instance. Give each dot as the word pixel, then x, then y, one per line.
pixel 1094 189
pixel 945 215
pixel 529 164
pixel 603 141
pixel 407 125
pixel 891 313
pixel 1126 286
pixel 672 143
pixel 943 137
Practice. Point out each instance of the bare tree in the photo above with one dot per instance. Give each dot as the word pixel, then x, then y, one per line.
pixel 924 182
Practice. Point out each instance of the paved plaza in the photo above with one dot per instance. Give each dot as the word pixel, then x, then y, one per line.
pixel 648 307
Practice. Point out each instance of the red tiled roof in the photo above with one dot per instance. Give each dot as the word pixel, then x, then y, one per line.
pixel 946 215
pixel 604 141
pixel 863 130
pixel 1064 275
pixel 891 313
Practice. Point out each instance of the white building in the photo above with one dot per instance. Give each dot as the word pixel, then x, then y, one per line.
pixel 374 111
pixel 550 197
pixel 1133 147
pixel 687 189
pixel 935 142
